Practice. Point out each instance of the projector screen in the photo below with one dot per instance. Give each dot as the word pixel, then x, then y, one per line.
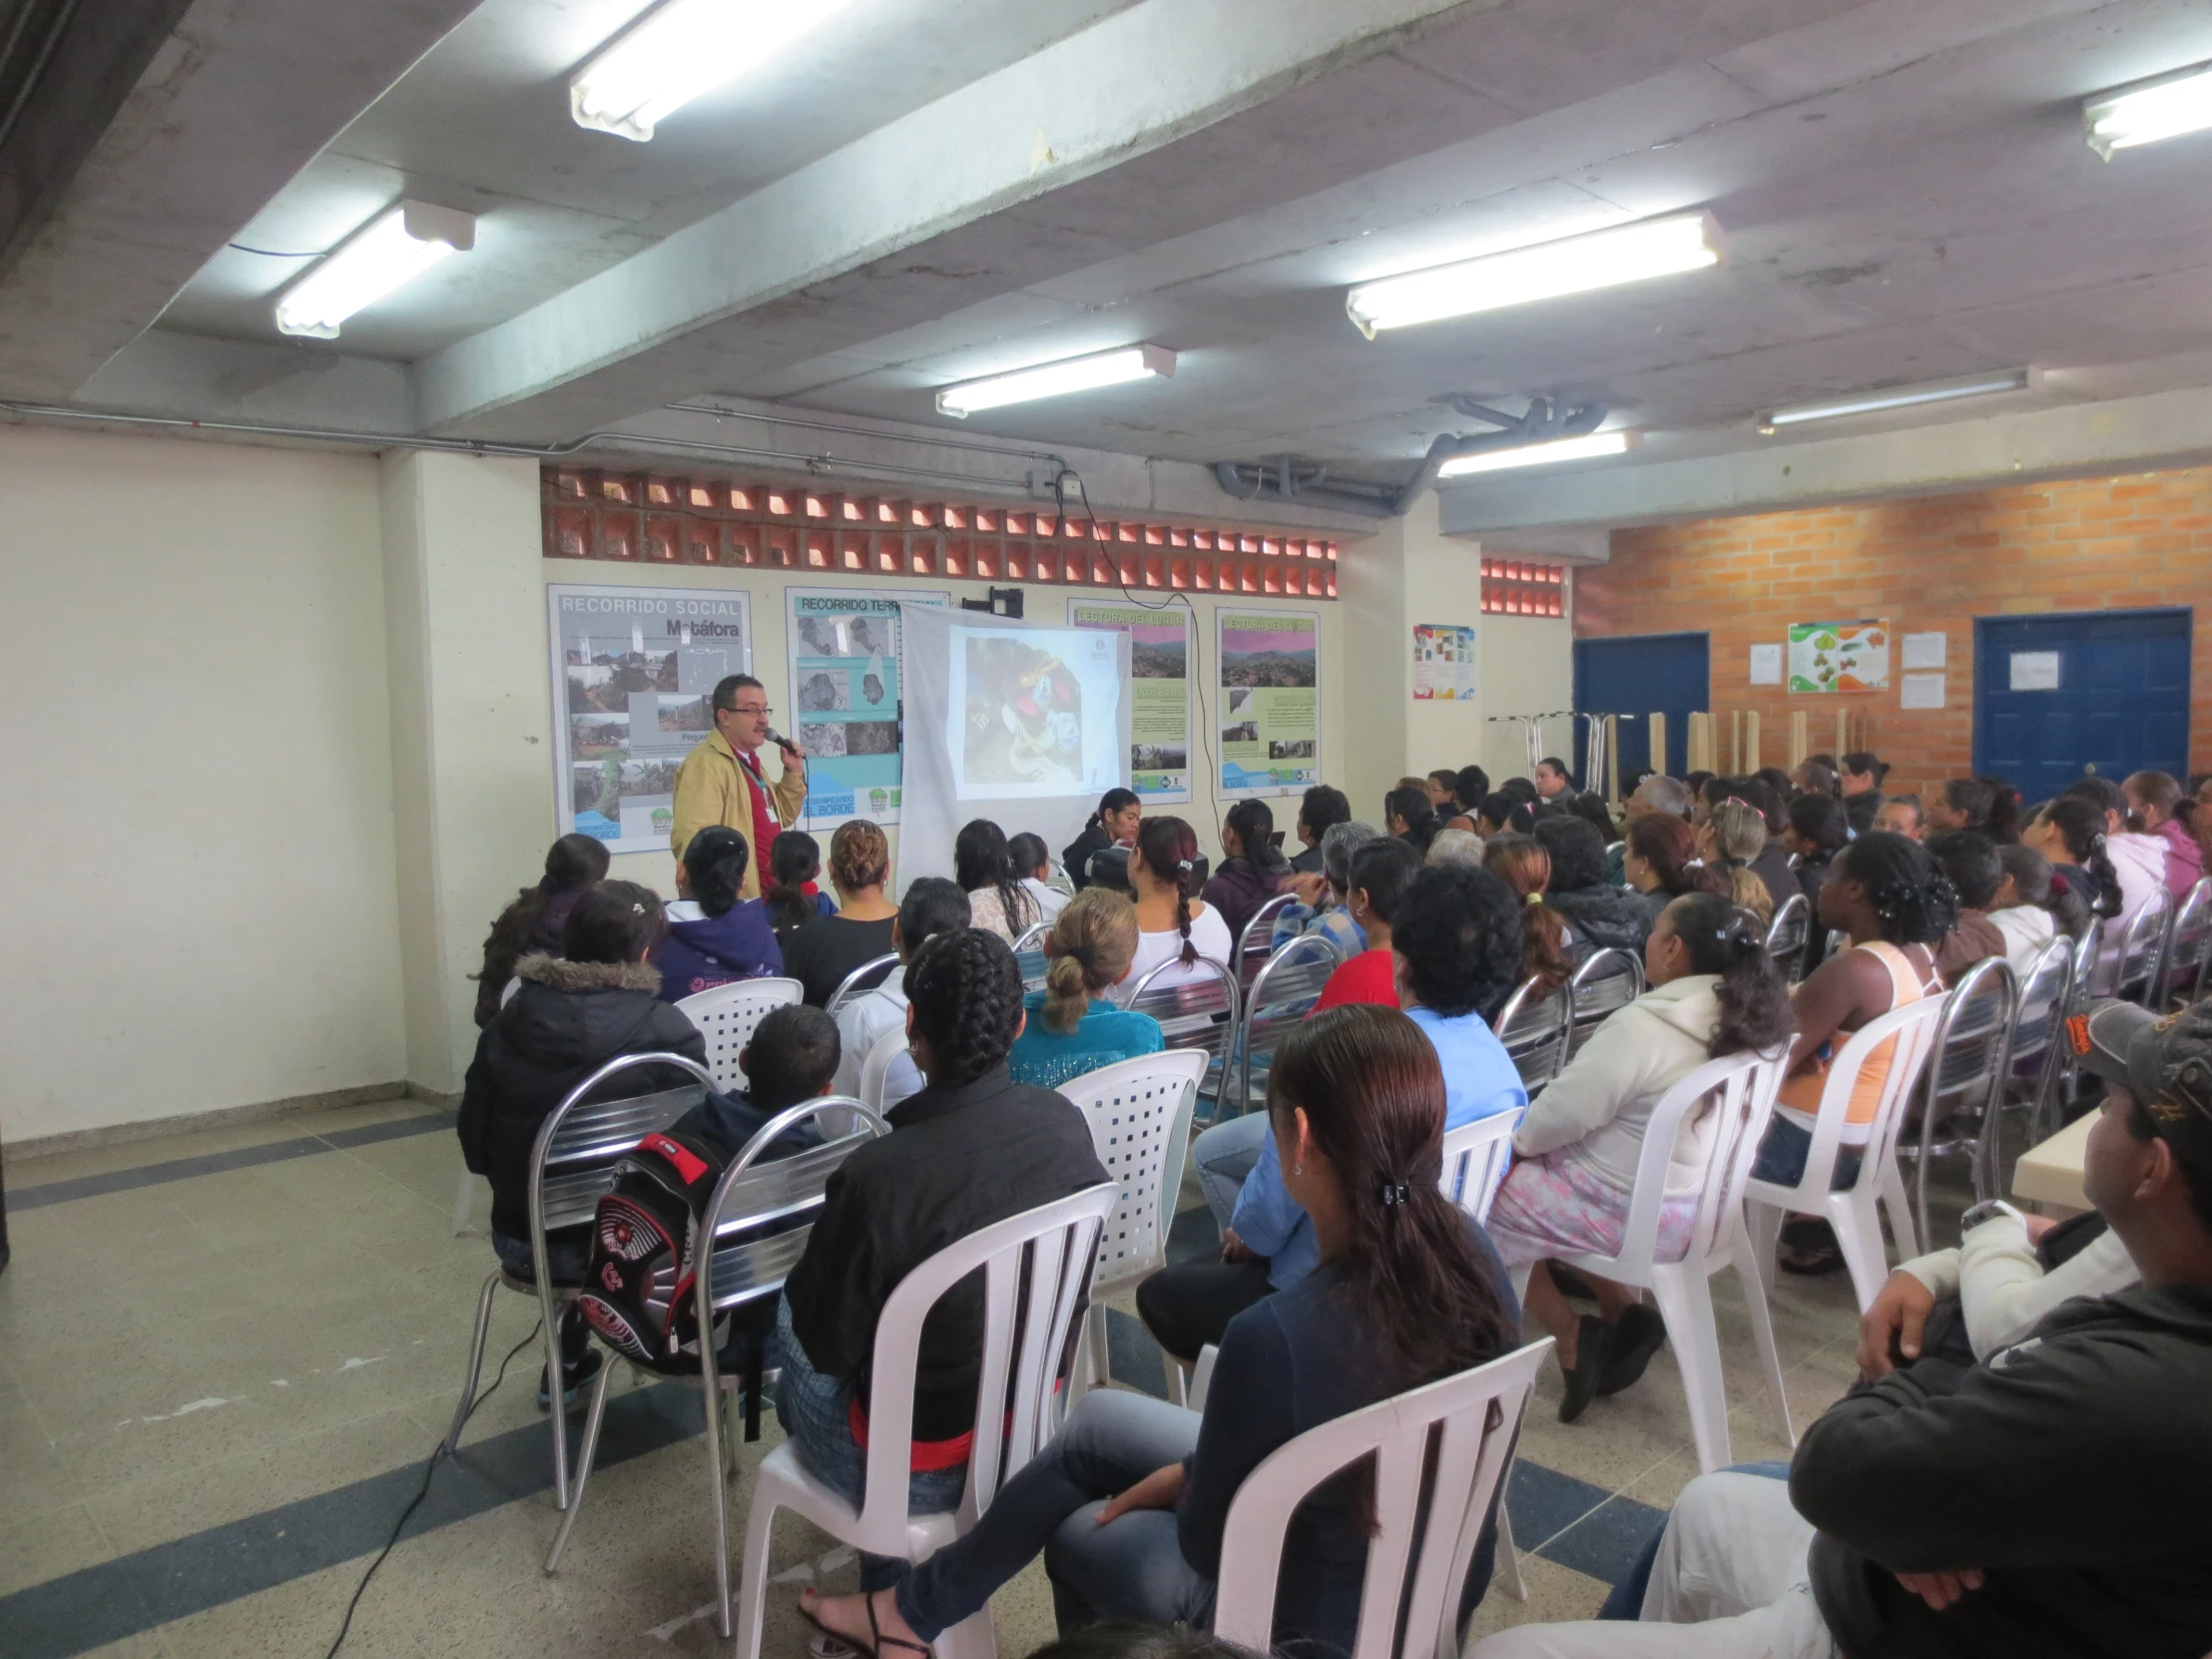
pixel 1022 722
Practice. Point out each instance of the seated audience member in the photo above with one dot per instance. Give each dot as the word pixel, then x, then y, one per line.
pixel 2093 1432
pixel 1962 803
pixel 2004 825
pixel 1771 861
pixel 982 864
pixel 599 999
pixel 1470 788
pixel 1774 782
pixel 1899 815
pixel 1551 779
pixel 2024 910
pixel 2161 810
pixel 1968 860
pixel 1713 792
pixel 1654 792
pixel 1456 847
pixel 1731 842
pixel 2069 832
pixel 1819 830
pixel 973 1148
pixel 1859 776
pixel 822 952
pixel 1714 991
pixel 1113 825
pixel 533 921
pixel 1379 873
pixel 2200 812
pixel 792 1056
pixel 1322 805
pixel 1443 798
pixel 1816 776
pixel 1502 814
pixel 1253 870
pixel 789 895
pixel 713 938
pixel 1522 789
pixel 1602 915
pixel 1407 815
pixel 1033 867
pixel 1172 926
pixel 1660 862
pixel 1070 1027
pixel 1695 783
pixel 1590 807
pixel 1547 943
pixel 1455 960
pixel 2138 861
pixel 1127 1503
pixel 1317 905
pixel 932 905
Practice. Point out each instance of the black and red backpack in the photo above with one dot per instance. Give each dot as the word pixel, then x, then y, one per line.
pixel 640 1288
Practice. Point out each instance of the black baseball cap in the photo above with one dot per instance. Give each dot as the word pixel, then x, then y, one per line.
pixel 2163 1061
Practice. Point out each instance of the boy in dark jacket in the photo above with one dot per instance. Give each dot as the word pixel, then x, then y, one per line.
pixel 791 1058
pixel 713 940
pixel 570 1017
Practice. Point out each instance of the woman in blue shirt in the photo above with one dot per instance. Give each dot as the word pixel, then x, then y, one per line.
pixel 1456 942
pixel 1071 1027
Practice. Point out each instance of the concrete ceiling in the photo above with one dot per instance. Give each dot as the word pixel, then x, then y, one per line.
pixel 933 192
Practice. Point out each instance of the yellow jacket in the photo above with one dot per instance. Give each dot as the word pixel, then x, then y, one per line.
pixel 711 788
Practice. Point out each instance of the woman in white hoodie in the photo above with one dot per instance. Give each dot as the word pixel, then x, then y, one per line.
pixel 1714 991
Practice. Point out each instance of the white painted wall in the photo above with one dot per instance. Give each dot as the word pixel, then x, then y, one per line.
pixel 202 911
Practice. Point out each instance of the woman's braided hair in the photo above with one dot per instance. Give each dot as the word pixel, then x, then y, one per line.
pixel 966 995
pixel 1908 891
pixel 1170 850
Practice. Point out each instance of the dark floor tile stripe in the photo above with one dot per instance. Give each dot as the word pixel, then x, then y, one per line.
pixel 217 1163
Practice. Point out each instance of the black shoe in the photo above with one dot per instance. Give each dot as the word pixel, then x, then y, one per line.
pixel 1809 1248
pixel 1636 1336
pixel 1590 1345
pixel 1569 1282
pixel 574 1379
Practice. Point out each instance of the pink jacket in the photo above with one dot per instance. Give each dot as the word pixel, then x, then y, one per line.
pixel 2184 859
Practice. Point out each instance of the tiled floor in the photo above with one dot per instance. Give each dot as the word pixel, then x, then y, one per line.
pixel 225 1358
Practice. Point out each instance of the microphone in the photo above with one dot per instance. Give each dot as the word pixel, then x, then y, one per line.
pixel 785 744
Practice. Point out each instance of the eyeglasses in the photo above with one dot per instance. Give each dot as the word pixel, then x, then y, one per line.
pixel 762 709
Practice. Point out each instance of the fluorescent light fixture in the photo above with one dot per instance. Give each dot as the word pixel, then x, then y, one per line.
pixel 1541 454
pixel 1100 368
pixel 1902 398
pixel 2164 107
pixel 392 248
pixel 679 51
pixel 1574 264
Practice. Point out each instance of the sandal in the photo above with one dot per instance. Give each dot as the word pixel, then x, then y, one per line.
pixel 874 1630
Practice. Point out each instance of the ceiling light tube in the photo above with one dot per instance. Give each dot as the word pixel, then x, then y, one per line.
pixel 679 51
pixel 1574 264
pixel 1902 398
pixel 1100 368
pixel 2164 107
pixel 388 251
pixel 1541 454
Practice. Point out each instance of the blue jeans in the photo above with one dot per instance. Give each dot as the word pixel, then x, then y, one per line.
pixel 1226 1156
pixel 567 1256
pixel 1626 1600
pixel 813 1410
pixel 1133 1570
pixel 1781 1157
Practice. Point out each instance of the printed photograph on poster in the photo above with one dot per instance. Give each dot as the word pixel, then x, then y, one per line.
pixel 1443 663
pixel 1160 692
pixel 1846 656
pixel 634 671
pixel 1036 712
pixel 1270 701
pixel 843 645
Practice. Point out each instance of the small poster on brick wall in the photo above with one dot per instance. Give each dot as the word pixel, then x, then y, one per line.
pixel 1443 663
pixel 1846 656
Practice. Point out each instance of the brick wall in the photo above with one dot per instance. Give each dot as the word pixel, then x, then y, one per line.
pixel 1925 563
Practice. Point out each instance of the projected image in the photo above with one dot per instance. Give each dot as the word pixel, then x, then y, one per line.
pixel 1024 716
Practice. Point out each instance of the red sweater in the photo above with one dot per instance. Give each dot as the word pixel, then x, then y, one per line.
pixel 1369 976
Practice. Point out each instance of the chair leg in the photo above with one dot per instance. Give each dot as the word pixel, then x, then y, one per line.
pixel 972 1638
pixel 1892 1191
pixel 1686 1304
pixel 1761 1336
pixel 464 1201
pixel 1859 1233
pixel 1101 1350
pixel 1507 1572
pixel 559 1413
pixel 475 1370
pixel 598 1414
pixel 759 1537
pixel 718 1477
pixel 1763 1224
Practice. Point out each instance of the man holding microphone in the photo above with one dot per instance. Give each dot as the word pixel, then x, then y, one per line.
pixel 721 782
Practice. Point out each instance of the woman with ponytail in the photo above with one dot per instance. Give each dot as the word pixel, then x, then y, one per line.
pixel 1127 1502
pixel 533 923
pixel 1071 1027
pixel 1172 926
pixel 984 868
pixel 2069 832
pixel 1714 991
pixel 1733 837
pixel 2162 811
pixel 1661 861
pixel 1409 814
pixel 1253 869
pixel 1113 825
pixel 1522 863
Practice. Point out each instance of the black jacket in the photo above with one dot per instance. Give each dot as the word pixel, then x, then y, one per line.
pixel 1075 858
pixel 569 1019
pixel 1861 807
pixel 1811 877
pixel 1603 917
pixel 1307 862
pixel 956 1161
pixel 2071 1469
pixel 1242 886
pixel 1773 868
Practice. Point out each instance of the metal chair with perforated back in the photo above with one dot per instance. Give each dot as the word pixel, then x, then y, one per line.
pixel 1280 995
pixel 1788 935
pixel 1607 982
pixel 1535 1026
pixel 1197 1013
pixel 1255 942
pixel 862 979
pixel 2188 946
pixel 1032 937
pixel 725 1017
pixel 1964 1077
pixel 2142 950
pixel 2034 1063
pixel 571 1166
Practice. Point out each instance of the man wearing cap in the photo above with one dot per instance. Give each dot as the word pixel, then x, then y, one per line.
pixel 721 780
pixel 2050 1500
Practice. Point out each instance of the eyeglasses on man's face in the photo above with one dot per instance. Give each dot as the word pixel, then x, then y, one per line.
pixel 749 709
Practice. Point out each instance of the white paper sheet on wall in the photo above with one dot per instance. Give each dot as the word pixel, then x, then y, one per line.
pixel 2035 671
pixel 1924 649
pixel 1765 664
pixel 1920 690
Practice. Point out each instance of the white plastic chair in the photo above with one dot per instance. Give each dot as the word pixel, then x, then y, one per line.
pixel 747 1266
pixel 1476 1158
pixel 1852 1211
pixel 1036 1266
pixel 860 982
pixel 1737 1094
pixel 1441 1498
pixel 1278 999
pixel 876 1068
pixel 1140 1113
pixel 727 1015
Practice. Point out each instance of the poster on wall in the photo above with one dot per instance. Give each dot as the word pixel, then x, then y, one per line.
pixel 1443 663
pixel 1160 693
pixel 1839 656
pixel 843 644
pixel 634 671
pixel 1269 700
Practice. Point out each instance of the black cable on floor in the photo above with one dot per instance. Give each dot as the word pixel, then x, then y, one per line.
pixel 428 1470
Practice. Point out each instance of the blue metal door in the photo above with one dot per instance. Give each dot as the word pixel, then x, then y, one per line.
pixel 1641 675
pixel 2085 690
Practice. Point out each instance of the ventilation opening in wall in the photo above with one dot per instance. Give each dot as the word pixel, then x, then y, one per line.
pixel 1515 587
